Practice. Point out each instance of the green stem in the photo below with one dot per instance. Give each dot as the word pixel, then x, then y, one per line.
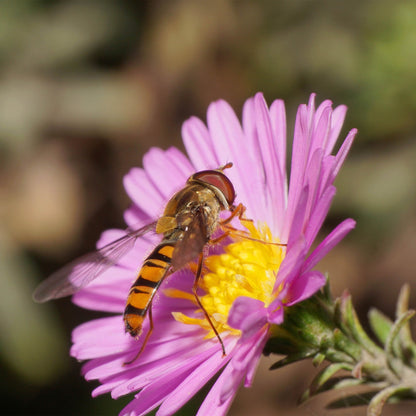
pixel 325 329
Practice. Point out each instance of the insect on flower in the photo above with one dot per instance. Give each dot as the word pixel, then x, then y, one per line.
pixel 190 218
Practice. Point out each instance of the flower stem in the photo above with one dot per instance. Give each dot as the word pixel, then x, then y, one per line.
pixel 322 328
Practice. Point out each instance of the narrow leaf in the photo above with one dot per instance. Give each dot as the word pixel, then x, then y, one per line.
pixel 324 375
pixel 361 399
pixel 380 324
pixel 357 330
pixel 406 340
pixel 318 359
pixel 290 359
pixel 391 339
pixel 378 401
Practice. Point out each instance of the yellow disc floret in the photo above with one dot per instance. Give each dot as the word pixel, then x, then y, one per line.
pixel 248 267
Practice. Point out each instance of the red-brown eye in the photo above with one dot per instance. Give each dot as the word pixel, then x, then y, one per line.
pixel 219 180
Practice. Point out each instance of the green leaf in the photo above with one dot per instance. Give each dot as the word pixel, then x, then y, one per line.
pixel 391 342
pixel 380 324
pixel 346 382
pixel 326 292
pixel 378 401
pixel 361 399
pixel 290 359
pixel 318 383
pixel 344 344
pixel 406 341
pixel 318 359
pixel 403 300
pixel 357 330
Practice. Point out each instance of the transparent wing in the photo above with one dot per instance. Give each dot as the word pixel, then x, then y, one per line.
pixel 192 243
pixel 83 270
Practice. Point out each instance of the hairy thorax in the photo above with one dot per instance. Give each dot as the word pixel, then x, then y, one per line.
pixel 191 203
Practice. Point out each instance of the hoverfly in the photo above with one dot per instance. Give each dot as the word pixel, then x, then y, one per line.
pixel 189 220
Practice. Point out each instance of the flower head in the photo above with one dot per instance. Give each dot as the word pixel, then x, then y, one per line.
pixel 263 266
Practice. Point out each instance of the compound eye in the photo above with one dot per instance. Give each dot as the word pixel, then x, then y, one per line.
pixel 219 180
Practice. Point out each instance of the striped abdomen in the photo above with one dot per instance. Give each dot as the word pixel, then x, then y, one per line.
pixel 154 270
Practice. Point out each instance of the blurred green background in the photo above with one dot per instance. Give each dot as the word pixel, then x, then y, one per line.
pixel 87 86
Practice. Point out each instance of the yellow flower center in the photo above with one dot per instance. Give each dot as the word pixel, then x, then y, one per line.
pixel 248 267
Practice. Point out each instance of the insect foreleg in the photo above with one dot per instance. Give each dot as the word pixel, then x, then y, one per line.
pixel 229 230
pixel 236 211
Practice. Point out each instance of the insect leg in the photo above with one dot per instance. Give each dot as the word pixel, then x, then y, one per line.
pixel 237 211
pixel 214 241
pixel 231 231
pixel 194 290
pixel 149 332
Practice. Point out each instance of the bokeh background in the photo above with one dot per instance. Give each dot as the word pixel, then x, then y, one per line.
pixel 87 86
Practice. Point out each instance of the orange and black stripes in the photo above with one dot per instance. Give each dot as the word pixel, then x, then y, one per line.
pixel 155 268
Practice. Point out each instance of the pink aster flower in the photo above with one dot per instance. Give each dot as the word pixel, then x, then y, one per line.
pixel 247 282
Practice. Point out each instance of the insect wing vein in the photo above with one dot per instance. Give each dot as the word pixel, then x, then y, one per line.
pixel 192 243
pixel 82 271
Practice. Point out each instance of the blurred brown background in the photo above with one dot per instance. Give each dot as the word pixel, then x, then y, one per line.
pixel 86 87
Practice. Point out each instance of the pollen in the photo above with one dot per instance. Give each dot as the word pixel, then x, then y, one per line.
pixel 247 267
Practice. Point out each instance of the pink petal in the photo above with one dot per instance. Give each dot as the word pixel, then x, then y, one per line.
pixel 143 193
pixel 343 151
pixel 211 406
pixel 338 116
pixel 247 314
pixel 153 394
pixel 291 264
pixel 251 133
pixel 96 301
pixel 181 163
pixel 299 159
pixel 244 354
pixel 314 174
pixel 276 312
pixel 278 120
pixel 153 359
pixel 198 144
pixel 221 395
pixel 275 178
pixel 135 217
pixel 162 173
pixel 255 174
pixel 252 365
pixel 151 372
pixel 319 214
pixel 304 286
pixel 320 130
pixel 230 144
pixel 327 174
pixel 193 383
pixel 91 340
pixel 298 219
pixel 328 243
